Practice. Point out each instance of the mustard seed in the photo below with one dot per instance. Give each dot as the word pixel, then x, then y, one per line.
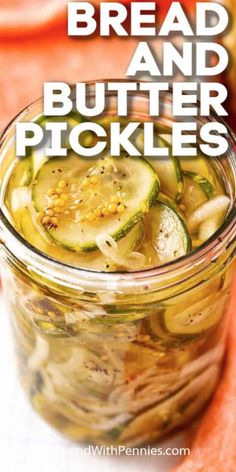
pixel 85 182
pixel 105 211
pixel 62 184
pixel 113 208
pixel 57 209
pixel 59 202
pixel 93 180
pixel 98 212
pixel 115 199
pixel 54 220
pixel 50 192
pixel 90 216
pixel 46 220
pixel 120 208
pixel 49 212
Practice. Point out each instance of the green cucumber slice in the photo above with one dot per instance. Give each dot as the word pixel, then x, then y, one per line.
pixel 132 180
pixel 197 164
pixel 94 261
pixel 72 119
pixel 163 198
pixel 167 236
pixel 37 154
pixel 206 186
pixel 167 167
pixel 32 231
pixel 197 318
pixel 97 261
pixel 207 169
pixel 197 190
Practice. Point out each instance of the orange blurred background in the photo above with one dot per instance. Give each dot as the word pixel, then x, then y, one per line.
pixel 34 47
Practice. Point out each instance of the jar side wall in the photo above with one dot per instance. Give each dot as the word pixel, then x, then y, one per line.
pixel 117 373
pixel 119 358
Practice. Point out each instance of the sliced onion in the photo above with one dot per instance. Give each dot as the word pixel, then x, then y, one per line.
pixel 39 355
pixel 207 211
pixel 20 198
pixel 209 227
pixel 109 248
pixel 115 422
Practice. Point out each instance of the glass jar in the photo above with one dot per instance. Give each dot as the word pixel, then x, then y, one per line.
pixel 119 358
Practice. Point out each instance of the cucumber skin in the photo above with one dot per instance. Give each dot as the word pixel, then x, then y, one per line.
pixel 42 120
pixel 178 171
pixel 205 185
pixel 179 174
pixel 173 207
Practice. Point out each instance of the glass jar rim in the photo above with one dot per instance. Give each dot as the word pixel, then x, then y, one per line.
pixel 214 245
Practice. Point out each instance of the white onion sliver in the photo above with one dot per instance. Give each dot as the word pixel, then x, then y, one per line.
pixel 109 248
pixel 115 422
pixel 21 198
pixel 39 355
pixel 208 210
pixel 208 227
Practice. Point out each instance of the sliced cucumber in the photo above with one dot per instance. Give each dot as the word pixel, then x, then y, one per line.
pixel 197 190
pixel 132 180
pixel 206 186
pixel 206 168
pixel 167 167
pixel 72 119
pixel 199 317
pixel 97 261
pixel 167 236
pixel 163 198
pixel 38 155
pixel 195 164
pixel 34 234
pixel 198 165
pixel 170 172
pixel 156 329
pixel 93 261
